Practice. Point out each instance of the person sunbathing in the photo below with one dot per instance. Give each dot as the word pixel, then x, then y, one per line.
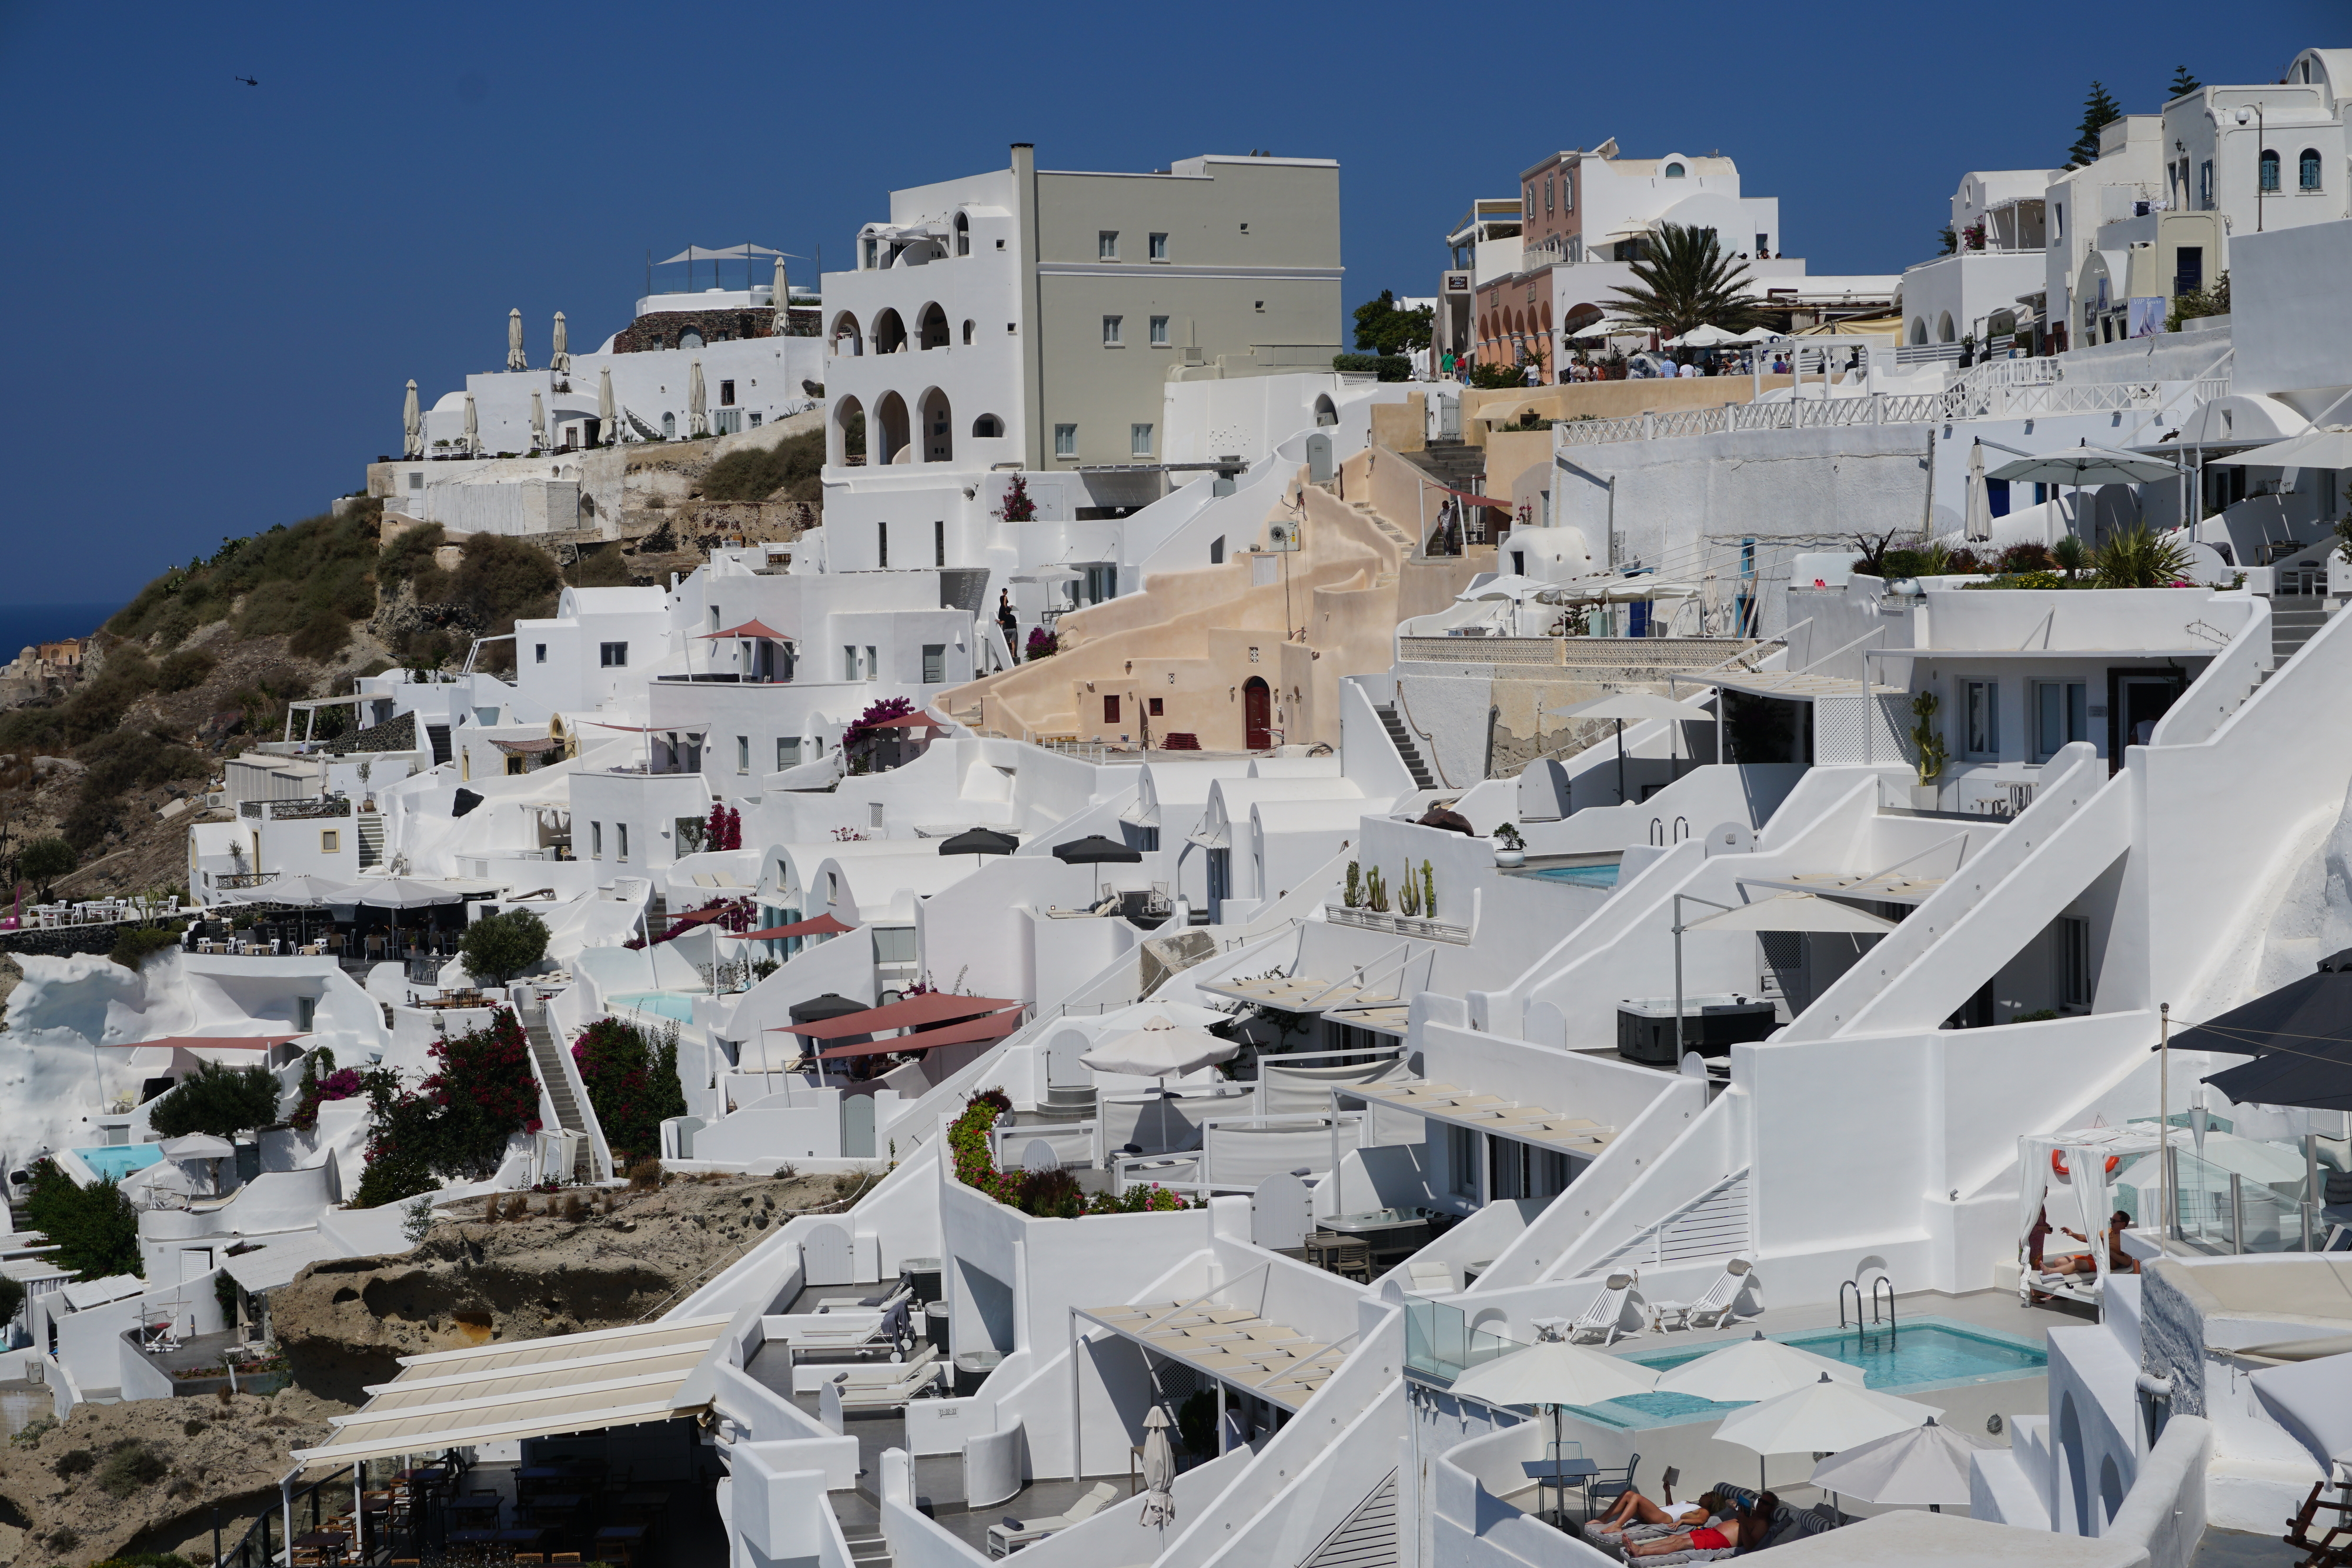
pixel 2118 1261
pixel 1632 1508
pixel 1743 1529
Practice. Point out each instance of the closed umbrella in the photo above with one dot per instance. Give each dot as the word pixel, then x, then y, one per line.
pixel 515 359
pixel 1928 1464
pixel 538 422
pixel 1979 525
pixel 782 298
pixel 980 841
pixel 698 422
pixel 1095 850
pixel 1158 1457
pixel 608 421
pixel 1754 1369
pixel 412 425
pixel 473 428
pixel 1827 1417
pixel 560 358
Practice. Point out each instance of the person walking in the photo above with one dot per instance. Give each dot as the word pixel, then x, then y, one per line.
pixel 1009 621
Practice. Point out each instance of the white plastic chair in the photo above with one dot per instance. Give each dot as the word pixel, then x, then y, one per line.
pixel 1605 1319
pixel 1717 1307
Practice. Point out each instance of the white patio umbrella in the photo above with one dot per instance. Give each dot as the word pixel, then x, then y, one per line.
pixel 2084 466
pixel 1609 329
pixel 1752 1370
pixel 301 888
pixel 1158 1457
pixel 473 427
pixel 608 423
pixel 560 358
pixel 1758 335
pixel 1554 1371
pixel 1136 1015
pixel 1705 335
pixel 515 359
pixel 1827 1417
pixel 1924 1464
pixel 1161 1049
pixel 1978 524
pixel 538 422
pixel 2329 447
pixel 697 416
pixel 197 1146
pixel 412 424
pixel 1623 706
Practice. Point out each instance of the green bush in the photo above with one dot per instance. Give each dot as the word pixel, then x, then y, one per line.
pixel 137 943
pixel 184 670
pixel 11 1298
pixel 458 1121
pixel 131 1465
pixel 501 946
pixel 410 552
pixel 632 1085
pixel 74 1462
pixel 283 576
pixel 1388 367
pixel 221 1101
pixel 94 1228
pixel 788 471
pixel 46 860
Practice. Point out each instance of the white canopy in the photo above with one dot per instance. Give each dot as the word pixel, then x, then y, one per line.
pixel 1921 1466
pixel 723 253
pixel 1509 585
pixel 197 1146
pixel 406 893
pixel 2085 467
pixel 1161 1049
pixel 1795 912
pixel 1752 1370
pixel 1554 1371
pixel 1610 329
pixel 1136 1015
pixel 2328 447
pixel 1629 708
pixel 1827 1417
pixel 1705 335
pixel 301 887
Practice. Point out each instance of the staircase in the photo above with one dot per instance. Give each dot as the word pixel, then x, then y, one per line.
pixel 2294 621
pixel 550 1070
pixel 867 1549
pixel 438 736
pixel 1366 1537
pixel 1452 463
pixel 1402 740
pixel 656 915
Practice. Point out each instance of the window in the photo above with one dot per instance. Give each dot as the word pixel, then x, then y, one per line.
pixel 2188 268
pixel 967 334
pixel 1155 710
pixel 1160 248
pixel 612 656
pixel 1462 1161
pixel 595 840
pixel 1066 441
pixel 1101 583
pixel 1000 244
pixel 329 841
pixel 2270 167
pixel 849 664
pixel 963 248
pixel 2306 177
pixel 874 818
pixel 939 542
pixel 1107 246
pixel 1217 551
pixel 1549 206
pixel 2073 961
pixel 1111 329
pixel 669 427
pixel 715 622
pixel 1674 170
pixel 539 653
pixel 622 829
pixel 742 753
pixel 873 665
pixel 2061 716
pixel 2205 185
pixel 1261 307
pixel 882 546
pixel 727 394
pixel 1983 708
pixel 894 944
pixel 1139 440
pixel 2058 218
pixel 1763 244
pixel 1110 710
pixel 788 752
pixel 1159 331
pixel 935 664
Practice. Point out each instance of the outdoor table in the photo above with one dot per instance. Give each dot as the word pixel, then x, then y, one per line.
pixel 330 1543
pixel 1562 1472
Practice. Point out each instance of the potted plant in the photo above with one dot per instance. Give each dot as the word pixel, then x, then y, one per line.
pixel 1352 895
pixel 1510 845
pixel 1928 745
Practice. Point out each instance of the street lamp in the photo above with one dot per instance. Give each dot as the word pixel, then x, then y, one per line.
pixel 2261 136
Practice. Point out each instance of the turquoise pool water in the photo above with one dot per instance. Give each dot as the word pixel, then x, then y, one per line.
pixel 116 1161
pixel 1580 876
pixel 1921 1353
pixel 665 1004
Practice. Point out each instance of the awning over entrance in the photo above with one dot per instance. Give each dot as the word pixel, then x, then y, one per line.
pixel 1790 685
pixel 530 1388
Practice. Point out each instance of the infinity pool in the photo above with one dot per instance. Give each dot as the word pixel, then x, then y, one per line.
pixel 665 1004
pixel 1579 875
pixel 114 1161
pixel 1920 1353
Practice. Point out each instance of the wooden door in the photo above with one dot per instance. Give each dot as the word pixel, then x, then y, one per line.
pixel 1257 715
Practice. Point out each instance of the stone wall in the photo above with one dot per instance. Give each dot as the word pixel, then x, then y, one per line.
pixel 660 329
pixel 61 941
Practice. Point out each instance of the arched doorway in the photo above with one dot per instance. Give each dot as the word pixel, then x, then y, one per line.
pixel 846 339
pixel 1257 715
pixel 963 233
pixel 934 326
pixel 1944 332
pixel 890 429
pixel 1325 412
pixel 890 333
pixel 939 428
pixel 848 434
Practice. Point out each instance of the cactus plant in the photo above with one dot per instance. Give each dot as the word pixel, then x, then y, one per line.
pixel 1428 890
pixel 1409 896
pixel 1927 743
pixel 1353 894
pixel 1376 892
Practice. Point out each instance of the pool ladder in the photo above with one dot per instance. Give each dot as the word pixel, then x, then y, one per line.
pixel 1880 1286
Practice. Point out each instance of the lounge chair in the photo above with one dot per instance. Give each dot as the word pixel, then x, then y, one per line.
pixel 885 1386
pixel 1605 1319
pixel 1717 1307
pixel 1430 1279
pixel 1015 1533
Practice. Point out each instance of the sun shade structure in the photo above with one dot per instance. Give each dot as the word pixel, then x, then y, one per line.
pixel 301 888
pixel 1233 1344
pixel 724 253
pixel 822 925
pixel 1757 1369
pixel 1628 707
pixel 980 841
pixel 530 1388
pixel 1482 1112
pixel 2314 1075
pixel 1161 1049
pixel 1705 335
pixel 1094 850
pixel 1554 1371
pixel 932 1007
pixel 1926 1466
pixel 1799 912
pixel 909 721
pixel 2084 466
pixel 749 629
pixel 2307 1014
pixel 408 892
pixel 2328 447
pixel 995 1026
pixel 2315 1403
pixel 1827 1417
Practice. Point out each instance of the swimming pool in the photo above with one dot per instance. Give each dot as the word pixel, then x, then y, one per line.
pixel 1604 875
pixel 664 1004
pixel 112 1162
pixel 1920 1353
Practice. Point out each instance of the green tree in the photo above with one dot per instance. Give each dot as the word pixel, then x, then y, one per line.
pixel 1383 329
pixel 501 946
pixel 1686 281
pixel 46 860
pixel 12 1299
pixel 2183 83
pixel 95 1229
pixel 632 1085
pixel 2098 109
pixel 221 1101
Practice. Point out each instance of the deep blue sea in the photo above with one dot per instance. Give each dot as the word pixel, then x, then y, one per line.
pixel 23 625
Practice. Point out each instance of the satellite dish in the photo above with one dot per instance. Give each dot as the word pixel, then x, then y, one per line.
pixel 1282 535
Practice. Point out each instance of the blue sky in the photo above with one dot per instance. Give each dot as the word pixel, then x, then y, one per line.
pixel 220 290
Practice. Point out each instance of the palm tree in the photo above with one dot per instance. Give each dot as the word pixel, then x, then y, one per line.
pixel 1687 281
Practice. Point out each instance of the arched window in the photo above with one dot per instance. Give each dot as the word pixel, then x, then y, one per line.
pixel 890 426
pixel 890 333
pixel 1674 171
pixel 1918 330
pixel 848 439
pixel 669 427
pixel 846 339
pixel 1325 412
pixel 939 428
pixel 2307 172
pixel 1945 333
pixel 963 236
pixel 932 324
pixel 690 339
pixel 967 334
pixel 987 427
pixel 2270 170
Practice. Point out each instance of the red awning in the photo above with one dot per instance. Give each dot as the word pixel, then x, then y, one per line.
pixel 995 1026
pixel 696 917
pixel 931 1007
pixel 209 1041
pixel 823 925
pixel 1476 499
pixel 749 629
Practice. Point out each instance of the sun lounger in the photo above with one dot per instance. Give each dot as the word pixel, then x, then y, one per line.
pixel 1015 1533
pixel 1605 1319
pixel 1719 1307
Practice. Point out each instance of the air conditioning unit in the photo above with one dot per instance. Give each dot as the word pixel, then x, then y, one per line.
pixel 1282 535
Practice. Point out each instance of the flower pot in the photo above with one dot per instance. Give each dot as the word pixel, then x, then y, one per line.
pixel 1924 796
pixel 1511 857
